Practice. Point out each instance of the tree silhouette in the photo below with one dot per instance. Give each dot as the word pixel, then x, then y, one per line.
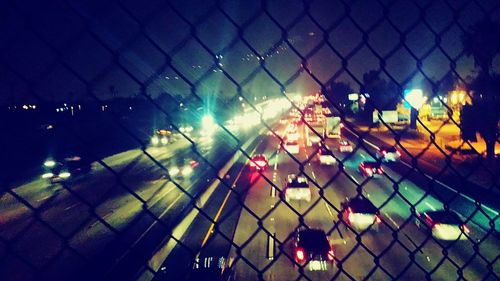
pixel 482 42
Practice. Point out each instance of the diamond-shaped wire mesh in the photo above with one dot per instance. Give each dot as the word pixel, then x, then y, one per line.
pixel 250 140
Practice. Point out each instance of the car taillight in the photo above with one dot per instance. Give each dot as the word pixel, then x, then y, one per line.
pixel 331 255
pixel 252 163
pixel 466 229
pixel 349 215
pixel 377 219
pixel 384 152
pixel 341 125
pixel 379 170
pixel 398 153
pixel 300 254
pixel 436 226
pixel 368 170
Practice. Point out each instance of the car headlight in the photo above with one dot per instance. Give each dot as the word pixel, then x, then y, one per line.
pixel 155 140
pixel 187 170
pixel 65 175
pixel 164 140
pixel 47 175
pixel 49 163
pixel 173 171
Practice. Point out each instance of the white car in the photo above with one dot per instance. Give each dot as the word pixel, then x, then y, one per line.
pixel 443 225
pixel 325 157
pixel 360 213
pixel 345 146
pixel 297 188
pixel 292 146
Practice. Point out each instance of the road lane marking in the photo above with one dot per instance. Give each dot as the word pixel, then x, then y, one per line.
pixel 391 220
pixel 273 191
pixel 429 177
pixel 312 172
pixel 270 246
pixel 219 212
pixel 328 209
pixel 430 206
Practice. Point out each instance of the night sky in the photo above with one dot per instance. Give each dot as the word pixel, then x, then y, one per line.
pixel 61 50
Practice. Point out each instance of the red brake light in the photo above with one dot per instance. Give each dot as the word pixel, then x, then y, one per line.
pixel 384 152
pixel 377 219
pixel 331 255
pixel 379 170
pixel 398 153
pixel 300 254
pixel 349 215
pixel 368 170
pixel 341 125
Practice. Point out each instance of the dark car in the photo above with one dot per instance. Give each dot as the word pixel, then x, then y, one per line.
pixel 443 224
pixel 312 250
pixel 360 213
pixel 371 169
pixel 66 168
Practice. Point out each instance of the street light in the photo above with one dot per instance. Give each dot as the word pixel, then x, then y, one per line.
pixel 414 99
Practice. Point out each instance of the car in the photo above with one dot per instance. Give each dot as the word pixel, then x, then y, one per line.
pixel 312 250
pixel 360 213
pixel 292 146
pixel 371 169
pixel 161 137
pixel 388 154
pixel 297 188
pixel 65 169
pixel 443 224
pixel 325 157
pixel 345 146
pixel 182 168
pixel 259 162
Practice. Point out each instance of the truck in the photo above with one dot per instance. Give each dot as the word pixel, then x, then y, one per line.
pixel 332 126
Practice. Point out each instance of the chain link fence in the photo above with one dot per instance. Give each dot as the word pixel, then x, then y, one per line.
pixel 157 141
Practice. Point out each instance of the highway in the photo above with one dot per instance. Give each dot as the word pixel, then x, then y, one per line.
pixel 108 224
pixel 255 239
pixel 81 229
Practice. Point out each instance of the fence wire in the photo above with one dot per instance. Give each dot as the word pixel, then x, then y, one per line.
pixel 168 103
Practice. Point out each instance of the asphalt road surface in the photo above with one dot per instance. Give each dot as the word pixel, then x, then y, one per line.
pixel 253 226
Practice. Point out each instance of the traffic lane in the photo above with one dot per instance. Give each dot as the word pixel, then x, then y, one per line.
pixel 380 191
pixel 118 214
pixel 37 193
pixel 486 218
pixel 364 245
pixel 205 239
pixel 394 258
pixel 279 219
pixel 409 193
